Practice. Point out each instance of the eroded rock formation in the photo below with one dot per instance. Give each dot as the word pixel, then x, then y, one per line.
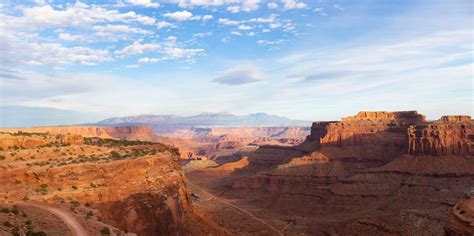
pixel 450 135
pixel 136 186
pixel 461 218
pixel 361 174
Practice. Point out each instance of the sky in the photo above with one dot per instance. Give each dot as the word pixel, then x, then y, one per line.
pixel 65 62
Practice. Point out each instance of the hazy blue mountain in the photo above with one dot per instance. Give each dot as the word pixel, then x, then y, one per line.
pixel 167 123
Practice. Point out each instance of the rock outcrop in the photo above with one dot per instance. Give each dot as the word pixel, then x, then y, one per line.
pixel 136 187
pixel 8 140
pixel 370 135
pixel 143 133
pixel 461 218
pixel 450 135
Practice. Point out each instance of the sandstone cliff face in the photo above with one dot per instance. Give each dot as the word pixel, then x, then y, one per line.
pixel 137 188
pixel 381 133
pixel 143 133
pixel 359 173
pixel 145 195
pixel 382 116
pixel 451 135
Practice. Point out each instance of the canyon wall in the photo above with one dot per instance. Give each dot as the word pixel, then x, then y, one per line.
pixel 450 135
pixel 137 188
pixel 373 173
pixel 143 133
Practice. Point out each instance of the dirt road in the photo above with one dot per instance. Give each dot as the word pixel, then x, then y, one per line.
pixel 251 215
pixel 73 225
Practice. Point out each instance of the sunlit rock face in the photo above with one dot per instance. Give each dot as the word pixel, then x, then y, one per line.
pixel 450 135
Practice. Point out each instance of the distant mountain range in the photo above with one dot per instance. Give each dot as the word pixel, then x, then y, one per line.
pixel 169 123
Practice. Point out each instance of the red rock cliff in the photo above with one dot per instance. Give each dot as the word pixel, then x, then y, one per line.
pixel 365 128
pixel 450 135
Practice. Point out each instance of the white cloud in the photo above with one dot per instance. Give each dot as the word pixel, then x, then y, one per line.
pixel 202 35
pixel 270 42
pixel 272 5
pixel 244 27
pixel 275 25
pixel 207 17
pixel 237 33
pixel 264 20
pixel 233 9
pixel 144 3
pixel 241 74
pixel 250 5
pixel 70 37
pixel 137 48
pixel 168 50
pixel 164 24
pixel 320 11
pixel 225 21
pixel 204 3
pixel 293 4
pixel 338 7
pixel 179 15
pixel 119 28
pixel 149 60
pixel 78 15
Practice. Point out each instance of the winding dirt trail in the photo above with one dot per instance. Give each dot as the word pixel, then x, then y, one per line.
pixel 221 200
pixel 74 226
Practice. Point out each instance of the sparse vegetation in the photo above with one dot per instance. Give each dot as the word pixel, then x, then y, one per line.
pixel 2 158
pixel 7 224
pixel 105 231
pixel 5 210
pixel 40 233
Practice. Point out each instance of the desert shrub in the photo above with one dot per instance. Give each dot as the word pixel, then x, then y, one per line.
pixel 17 181
pixel 26 198
pixel 7 224
pixel 93 185
pixel 90 214
pixel 15 211
pixel 114 155
pixel 75 203
pixel 2 158
pixel 105 231
pixel 28 222
pixel 39 233
pixel 5 210
pixel 74 187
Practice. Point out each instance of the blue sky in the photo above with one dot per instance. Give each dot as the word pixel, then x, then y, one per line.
pixel 304 59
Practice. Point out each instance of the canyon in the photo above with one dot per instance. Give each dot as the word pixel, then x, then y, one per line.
pixel 374 173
